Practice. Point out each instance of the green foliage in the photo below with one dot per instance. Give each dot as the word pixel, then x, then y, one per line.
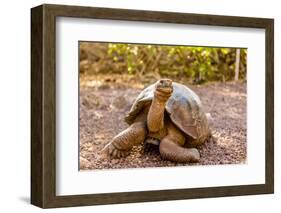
pixel 198 64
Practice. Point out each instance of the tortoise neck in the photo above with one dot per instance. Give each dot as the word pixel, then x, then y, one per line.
pixel 155 117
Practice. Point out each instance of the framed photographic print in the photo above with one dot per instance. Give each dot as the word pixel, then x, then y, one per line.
pixel 136 106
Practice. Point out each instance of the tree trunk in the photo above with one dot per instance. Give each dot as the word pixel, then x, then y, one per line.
pixel 237 63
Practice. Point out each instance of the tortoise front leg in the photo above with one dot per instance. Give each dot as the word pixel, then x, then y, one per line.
pixel 171 147
pixel 122 143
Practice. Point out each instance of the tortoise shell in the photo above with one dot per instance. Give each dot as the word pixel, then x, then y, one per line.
pixel 183 107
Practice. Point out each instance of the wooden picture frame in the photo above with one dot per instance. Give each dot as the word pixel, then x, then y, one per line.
pixel 43 105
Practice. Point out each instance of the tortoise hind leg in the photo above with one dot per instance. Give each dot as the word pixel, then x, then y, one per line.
pixel 171 147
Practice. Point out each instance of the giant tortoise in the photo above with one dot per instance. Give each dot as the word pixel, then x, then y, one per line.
pixel 167 114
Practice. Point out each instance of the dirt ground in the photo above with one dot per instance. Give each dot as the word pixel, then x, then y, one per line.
pixel 104 102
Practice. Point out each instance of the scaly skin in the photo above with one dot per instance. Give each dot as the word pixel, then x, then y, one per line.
pixel 122 143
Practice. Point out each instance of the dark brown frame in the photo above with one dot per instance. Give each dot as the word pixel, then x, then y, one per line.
pixel 43 105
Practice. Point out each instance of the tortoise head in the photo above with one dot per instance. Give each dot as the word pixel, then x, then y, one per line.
pixel 164 88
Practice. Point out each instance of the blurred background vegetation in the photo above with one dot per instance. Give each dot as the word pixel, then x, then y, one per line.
pixel 193 64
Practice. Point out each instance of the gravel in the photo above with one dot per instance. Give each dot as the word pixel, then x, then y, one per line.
pixel 102 110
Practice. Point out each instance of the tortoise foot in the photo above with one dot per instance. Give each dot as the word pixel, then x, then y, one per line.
pixel 114 152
